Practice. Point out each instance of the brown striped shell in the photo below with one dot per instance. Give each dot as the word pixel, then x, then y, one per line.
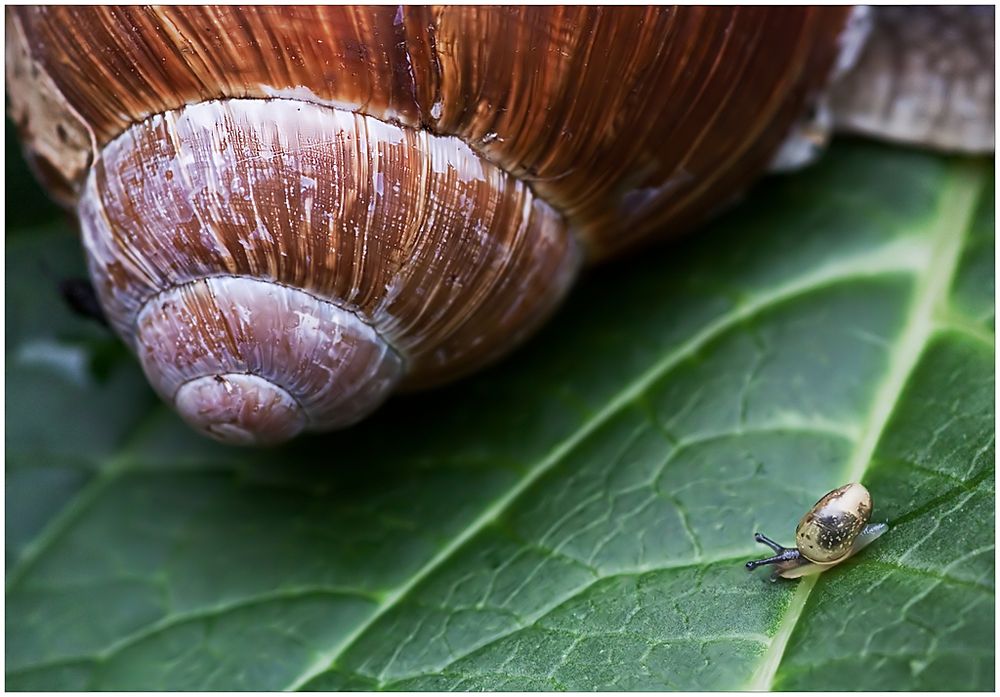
pixel 289 211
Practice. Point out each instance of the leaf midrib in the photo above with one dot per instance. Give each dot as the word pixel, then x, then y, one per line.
pixel 948 230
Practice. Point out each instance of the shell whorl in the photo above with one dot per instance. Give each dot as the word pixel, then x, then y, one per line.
pixel 630 121
pixel 236 238
pixel 252 362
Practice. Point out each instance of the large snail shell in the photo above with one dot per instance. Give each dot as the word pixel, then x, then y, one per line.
pixel 290 210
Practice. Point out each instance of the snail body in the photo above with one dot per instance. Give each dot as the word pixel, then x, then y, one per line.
pixel 832 531
pixel 289 213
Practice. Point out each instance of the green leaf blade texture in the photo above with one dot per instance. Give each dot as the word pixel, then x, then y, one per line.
pixel 579 516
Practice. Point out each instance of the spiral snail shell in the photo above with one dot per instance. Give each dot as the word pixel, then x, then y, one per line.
pixel 291 212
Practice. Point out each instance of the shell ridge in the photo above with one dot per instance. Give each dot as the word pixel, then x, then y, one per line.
pixel 151 300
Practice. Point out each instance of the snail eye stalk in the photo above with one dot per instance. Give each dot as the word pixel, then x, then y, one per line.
pixel 784 554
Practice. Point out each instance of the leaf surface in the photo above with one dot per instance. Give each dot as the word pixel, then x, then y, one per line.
pixel 576 517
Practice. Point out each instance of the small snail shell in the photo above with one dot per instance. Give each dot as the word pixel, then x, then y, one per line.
pixel 291 212
pixel 834 529
pixel 826 534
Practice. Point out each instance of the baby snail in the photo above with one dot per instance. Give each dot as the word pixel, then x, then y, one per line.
pixel 833 530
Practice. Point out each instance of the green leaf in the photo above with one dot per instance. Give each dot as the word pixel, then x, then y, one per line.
pixel 576 517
